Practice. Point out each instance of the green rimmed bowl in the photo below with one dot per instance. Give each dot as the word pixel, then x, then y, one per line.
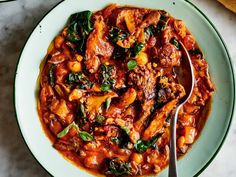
pixel 209 40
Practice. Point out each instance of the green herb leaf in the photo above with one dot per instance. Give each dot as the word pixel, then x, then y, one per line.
pixel 80 79
pixel 141 145
pixel 85 136
pixel 175 43
pixel 66 130
pixel 100 119
pixel 105 87
pixel 117 167
pixel 51 75
pixel 117 34
pixel 79 29
pixel 108 103
pixel 126 129
pixel 161 26
pixel 195 52
pixel 106 77
pixel 136 49
pixel 82 110
pixel 132 64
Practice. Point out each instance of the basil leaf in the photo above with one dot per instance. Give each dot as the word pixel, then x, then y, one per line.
pixel 136 49
pixel 108 103
pixel 85 136
pixel 175 43
pixel 132 64
pixel 105 87
pixel 141 145
pixel 100 119
pixel 66 130
pixel 51 75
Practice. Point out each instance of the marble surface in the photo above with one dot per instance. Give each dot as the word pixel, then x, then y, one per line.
pixel 17 19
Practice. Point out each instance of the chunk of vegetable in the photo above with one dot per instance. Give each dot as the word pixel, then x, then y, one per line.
pixel 86 136
pixel 142 58
pixel 158 120
pixel 189 134
pixel 74 66
pixel 60 109
pixel 75 95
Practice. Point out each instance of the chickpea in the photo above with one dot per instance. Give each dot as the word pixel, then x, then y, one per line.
pixel 142 58
pixel 75 95
pixel 74 66
pixel 58 41
pixel 78 57
pixel 138 158
pixel 181 142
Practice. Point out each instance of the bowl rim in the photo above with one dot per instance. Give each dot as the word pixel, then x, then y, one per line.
pixel 231 71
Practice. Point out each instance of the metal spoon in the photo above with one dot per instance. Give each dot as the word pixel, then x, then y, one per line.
pixel 185 76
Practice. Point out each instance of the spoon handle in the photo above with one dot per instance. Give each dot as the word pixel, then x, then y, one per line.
pixel 173 155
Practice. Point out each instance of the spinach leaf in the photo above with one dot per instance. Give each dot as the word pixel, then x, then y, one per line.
pixel 117 167
pixel 119 52
pixel 126 129
pixel 107 77
pixel 79 28
pixel 175 43
pixel 196 52
pixel 132 64
pixel 66 130
pixel 81 116
pixel 136 49
pixel 86 136
pixel 161 26
pixel 80 79
pixel 100 119
pixel 117 34
pixel 108 103
pixel 141 145
pixel 51 75
pixel 151 30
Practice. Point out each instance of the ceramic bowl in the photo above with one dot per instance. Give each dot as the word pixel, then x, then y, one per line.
pixel 25 90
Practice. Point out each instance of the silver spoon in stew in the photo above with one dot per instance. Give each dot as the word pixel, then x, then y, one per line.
pixel 185 77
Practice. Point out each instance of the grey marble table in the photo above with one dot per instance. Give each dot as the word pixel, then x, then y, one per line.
pixel 17 19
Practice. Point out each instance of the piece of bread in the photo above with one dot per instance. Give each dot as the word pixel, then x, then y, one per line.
pixel 230 4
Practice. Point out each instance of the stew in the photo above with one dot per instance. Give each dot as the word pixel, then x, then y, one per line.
pixel 108 89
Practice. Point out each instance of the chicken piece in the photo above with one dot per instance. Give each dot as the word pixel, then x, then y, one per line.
pixel 158 120
pixel 98 48
pixel 151 19
pixel 60 108
pixel 94 102
pixel 146 111
pixel 126 99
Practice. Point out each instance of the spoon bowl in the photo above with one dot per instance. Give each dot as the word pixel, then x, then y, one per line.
pixel 185 77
